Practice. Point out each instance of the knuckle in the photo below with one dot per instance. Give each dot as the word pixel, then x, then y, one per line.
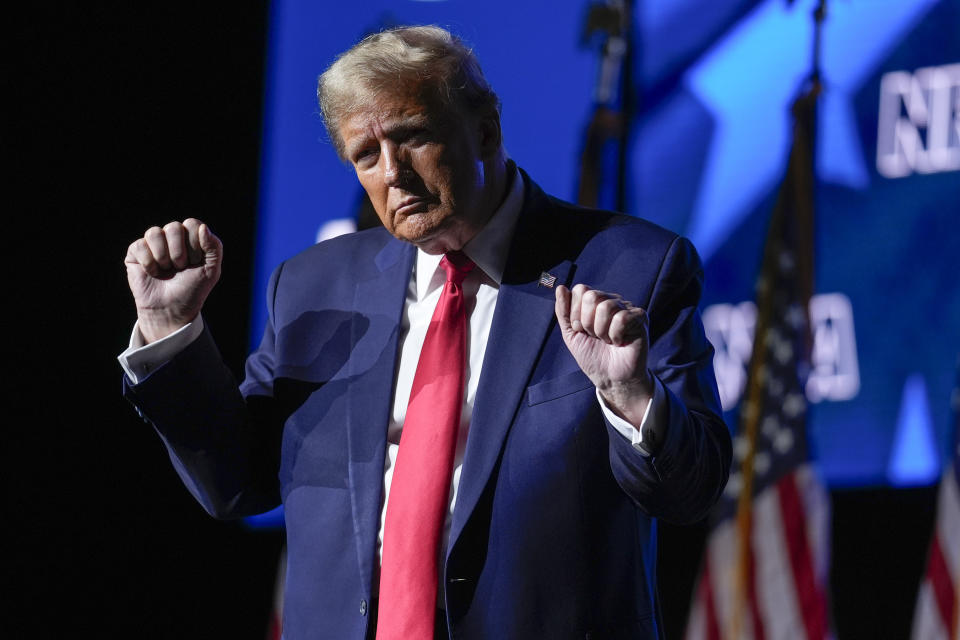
pixel 610 304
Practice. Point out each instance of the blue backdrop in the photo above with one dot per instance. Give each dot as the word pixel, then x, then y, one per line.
pixel 713 81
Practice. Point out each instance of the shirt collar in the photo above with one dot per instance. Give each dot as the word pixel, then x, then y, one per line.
pixel 488 249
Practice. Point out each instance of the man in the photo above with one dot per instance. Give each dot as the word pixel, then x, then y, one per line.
pixel 463 444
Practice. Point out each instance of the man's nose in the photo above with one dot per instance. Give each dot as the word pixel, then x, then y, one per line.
pixel 395 167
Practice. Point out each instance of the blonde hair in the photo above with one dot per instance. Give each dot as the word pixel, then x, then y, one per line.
pixel 427 57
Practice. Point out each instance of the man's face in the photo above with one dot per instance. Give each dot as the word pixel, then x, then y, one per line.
pixel 423 169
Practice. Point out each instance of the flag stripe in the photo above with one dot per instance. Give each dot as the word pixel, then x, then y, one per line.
pixel 811 600
pixel 275 625
pixel 816 507
pixel 759 632
pixel 711 620
pixel 943 589
pixel 948 524
pixel 777 595
pixel 926 622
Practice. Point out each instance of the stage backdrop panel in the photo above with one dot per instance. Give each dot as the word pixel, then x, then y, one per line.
pixel 712 82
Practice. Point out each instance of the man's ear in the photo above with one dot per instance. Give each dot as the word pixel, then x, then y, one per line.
pixel 491 138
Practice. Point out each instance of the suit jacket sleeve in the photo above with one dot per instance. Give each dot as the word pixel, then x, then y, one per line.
pixel 687 474
pixel 223 441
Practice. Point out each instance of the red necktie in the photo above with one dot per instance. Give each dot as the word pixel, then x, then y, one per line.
pixel 420 489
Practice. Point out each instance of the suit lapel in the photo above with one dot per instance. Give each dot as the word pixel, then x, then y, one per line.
pixel 521 323
pixel 378 305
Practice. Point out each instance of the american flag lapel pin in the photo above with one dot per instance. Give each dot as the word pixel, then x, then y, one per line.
pixel 547 280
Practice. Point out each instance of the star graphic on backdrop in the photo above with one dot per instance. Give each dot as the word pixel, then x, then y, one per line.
pixel 747 81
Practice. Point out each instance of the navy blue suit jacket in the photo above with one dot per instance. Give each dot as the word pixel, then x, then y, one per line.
pixel 553 534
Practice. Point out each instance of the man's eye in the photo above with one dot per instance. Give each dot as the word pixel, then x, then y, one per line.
pixel 364 156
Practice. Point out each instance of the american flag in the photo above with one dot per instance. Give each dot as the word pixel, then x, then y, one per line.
pixel 547 280
pixel 766 563
pixel 937 616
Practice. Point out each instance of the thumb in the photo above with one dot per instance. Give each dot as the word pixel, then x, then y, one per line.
pixel 211 246
pixel 562 309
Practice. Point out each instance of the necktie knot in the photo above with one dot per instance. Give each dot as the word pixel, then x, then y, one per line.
pixel 457 266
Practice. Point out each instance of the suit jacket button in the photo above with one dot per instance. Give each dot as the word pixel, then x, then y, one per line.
pixel 363 607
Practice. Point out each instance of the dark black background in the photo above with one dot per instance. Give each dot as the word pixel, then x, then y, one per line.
pixel 119 116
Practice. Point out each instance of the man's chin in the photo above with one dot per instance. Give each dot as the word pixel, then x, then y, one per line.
pixel 435 246
pixel 434 241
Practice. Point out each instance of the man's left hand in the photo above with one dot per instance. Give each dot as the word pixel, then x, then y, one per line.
pixel 609 339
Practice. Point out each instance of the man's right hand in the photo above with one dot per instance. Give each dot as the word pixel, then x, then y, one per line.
pixel 171 272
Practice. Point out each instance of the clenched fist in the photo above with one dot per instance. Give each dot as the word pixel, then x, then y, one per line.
pixel 171 272
pixel 609 339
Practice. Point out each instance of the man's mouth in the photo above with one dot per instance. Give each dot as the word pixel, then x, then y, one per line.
pixel 409 206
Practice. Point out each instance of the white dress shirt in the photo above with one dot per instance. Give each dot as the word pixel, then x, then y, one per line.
pixel 488 250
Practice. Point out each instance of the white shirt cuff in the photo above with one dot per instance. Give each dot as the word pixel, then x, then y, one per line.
pixel 652 416
pixel 139 360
